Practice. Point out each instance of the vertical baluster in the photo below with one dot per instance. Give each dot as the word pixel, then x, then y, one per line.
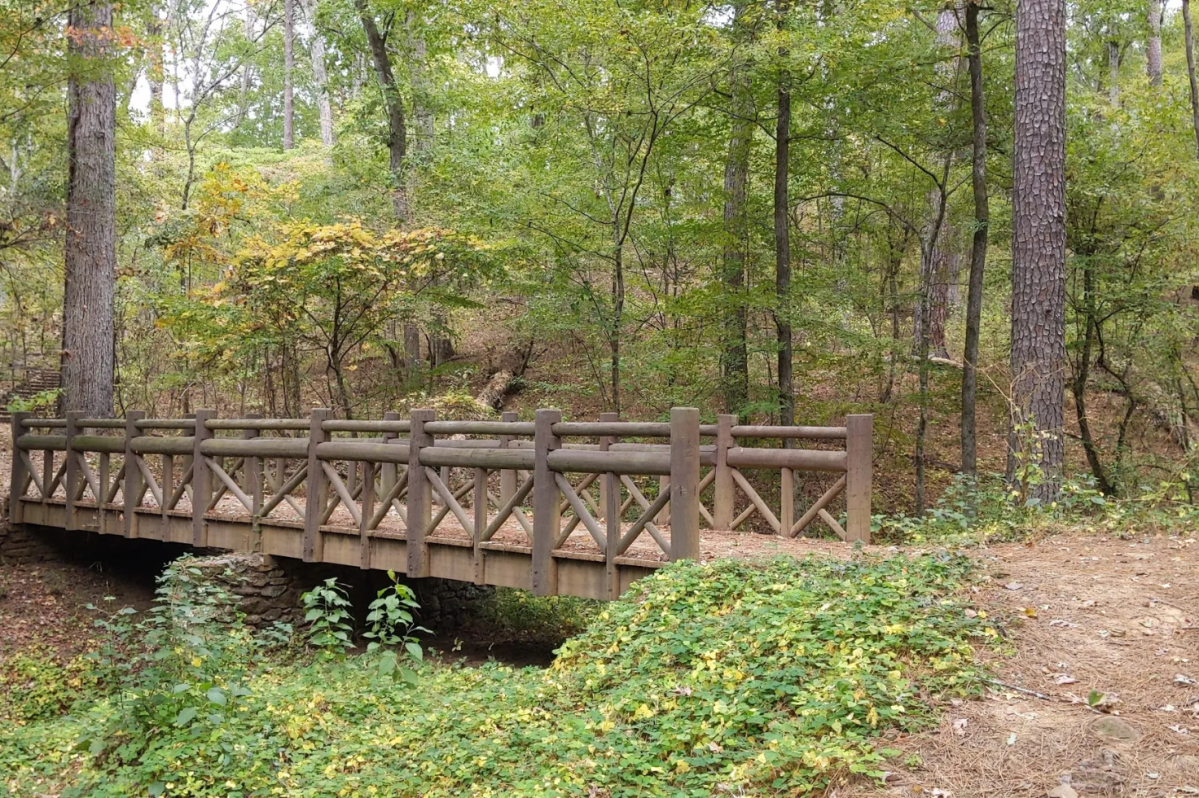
pixel 252 471
pixel 368 510
pixel 102 499
pixel 134 485
pixel 547 513
pixel 724 496
pixel 168 487
pixel 507 475
pixel 20 476
pixel 786 501
pixel 604 443
pixel 480 518
pixel 317 486
pixel 684 483
pixel 609 505
pixel 419 496
pixel 387 471
pixel 72 463
pixel 201 479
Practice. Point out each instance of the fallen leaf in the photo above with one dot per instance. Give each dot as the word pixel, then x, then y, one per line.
pixel 1062 791
pixel 1063 678
pixel 1014 585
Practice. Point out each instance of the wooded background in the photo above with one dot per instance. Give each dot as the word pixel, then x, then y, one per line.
pixel 785 210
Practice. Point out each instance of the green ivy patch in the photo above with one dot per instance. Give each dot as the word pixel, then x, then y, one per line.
pixel 712 679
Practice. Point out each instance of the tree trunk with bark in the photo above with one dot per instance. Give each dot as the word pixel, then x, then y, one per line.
pixel 1189 40
pixel 978 245
pixel 735 352
pixel 1113 72
pixel 1039 247
pixel 397 133
pixel 320 75
pixel 1153 48
pixel 154 74
pixel 90 247
pixel 943 267
pixel 289 63
pixel 782 239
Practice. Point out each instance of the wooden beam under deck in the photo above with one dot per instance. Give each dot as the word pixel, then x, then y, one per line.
pixel 582 574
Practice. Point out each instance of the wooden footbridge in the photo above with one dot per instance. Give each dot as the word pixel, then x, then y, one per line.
pixel 552 506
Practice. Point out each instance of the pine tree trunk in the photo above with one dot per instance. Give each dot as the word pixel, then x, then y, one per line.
pixel 1189 37
pixel 90 247
pixel 1039 244
pixel 397 133
pixel 320 75
pixel 978 246
pixel 289 63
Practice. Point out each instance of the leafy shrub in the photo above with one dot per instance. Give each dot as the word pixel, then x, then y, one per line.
pixel 391 626
pixel 183 666
pixel 722 678
pixel 328 617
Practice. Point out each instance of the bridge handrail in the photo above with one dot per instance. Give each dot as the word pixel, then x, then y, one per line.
pixel 534 461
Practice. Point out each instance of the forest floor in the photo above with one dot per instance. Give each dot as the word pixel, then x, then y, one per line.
pixel 1095 617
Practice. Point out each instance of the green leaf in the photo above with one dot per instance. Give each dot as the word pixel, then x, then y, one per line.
pixel 186 716
pixel 217 696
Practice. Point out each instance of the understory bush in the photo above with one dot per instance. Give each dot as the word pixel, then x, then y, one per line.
pixel 719 678
pixel 985 510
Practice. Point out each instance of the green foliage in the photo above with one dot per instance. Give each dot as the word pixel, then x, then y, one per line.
pixel 41 401
pixel 39 684
pixel 330 622
pixel 182 666
pixel 712 678
pixel 518 614
pixel 391 626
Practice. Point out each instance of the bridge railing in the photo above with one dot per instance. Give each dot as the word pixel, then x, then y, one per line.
pixel 612 492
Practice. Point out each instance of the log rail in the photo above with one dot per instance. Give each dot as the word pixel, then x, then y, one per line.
pixel 523 504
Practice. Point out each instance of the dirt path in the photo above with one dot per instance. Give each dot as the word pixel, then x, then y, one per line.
pixel 1117 617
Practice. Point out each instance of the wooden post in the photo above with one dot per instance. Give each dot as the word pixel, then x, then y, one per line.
pixel 387 471
pixel 316 488
pixel 420 498
pixel 480 518
pixel 604 487
pixel 725 495
pixel 507 475
pixel 786 501
pixel 547 514
pixel 20 474
pixel 684 483
pixel 189 460
pixel 252 472
pixel 859 448
pixel 135 485
pixel 609 507
pixel 72 473
pixel 201 479
pixel 367 500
